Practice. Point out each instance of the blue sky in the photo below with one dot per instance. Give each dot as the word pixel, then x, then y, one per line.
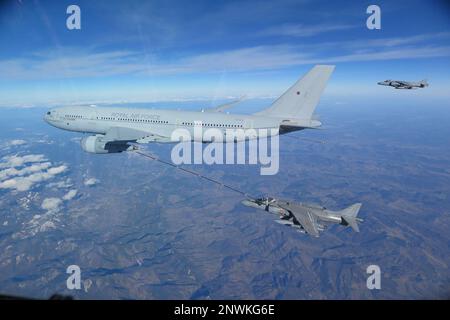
pixel 168 50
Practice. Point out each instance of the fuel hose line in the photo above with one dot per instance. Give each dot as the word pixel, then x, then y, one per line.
pixel 197 174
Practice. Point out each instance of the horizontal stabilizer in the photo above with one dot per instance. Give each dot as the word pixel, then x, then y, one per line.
pixel 352 223
pixel 350 216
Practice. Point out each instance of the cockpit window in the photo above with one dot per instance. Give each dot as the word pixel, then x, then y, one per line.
pixel 48 112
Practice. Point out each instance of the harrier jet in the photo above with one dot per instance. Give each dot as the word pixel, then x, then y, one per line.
pixel 113 129
pixel 308 218
pixel 398 84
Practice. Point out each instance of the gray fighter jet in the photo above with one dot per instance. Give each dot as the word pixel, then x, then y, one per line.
pixel 398 84
pixel 308 218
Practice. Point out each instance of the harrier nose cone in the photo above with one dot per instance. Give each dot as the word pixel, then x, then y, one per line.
pixel 248 203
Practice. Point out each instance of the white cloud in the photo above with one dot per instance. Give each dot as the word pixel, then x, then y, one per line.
pixel 393 42
pixel 17 161
pixel 90 182
pixel 392 54
pixel 26 170
pixel 24 178
pixel 60 184
pixel 243 59
pixel 70 195
pixel 17 142
pixel 57 170
pixel 71 63
pixel 299 30
pixel 79 62
pixel 51 204
pixel 87 62
pixel 25 183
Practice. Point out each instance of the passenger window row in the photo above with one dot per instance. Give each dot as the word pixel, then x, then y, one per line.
pixel 214 125
pixel 160 121
pixel 134 120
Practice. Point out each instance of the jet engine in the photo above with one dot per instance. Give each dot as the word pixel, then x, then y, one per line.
pixel 96 144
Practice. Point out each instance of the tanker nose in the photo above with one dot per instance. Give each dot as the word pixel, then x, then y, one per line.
pixel 47 116
pixel 50 117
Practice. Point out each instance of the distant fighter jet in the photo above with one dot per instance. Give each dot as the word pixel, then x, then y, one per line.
pixel 308 218
pixel 398 84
